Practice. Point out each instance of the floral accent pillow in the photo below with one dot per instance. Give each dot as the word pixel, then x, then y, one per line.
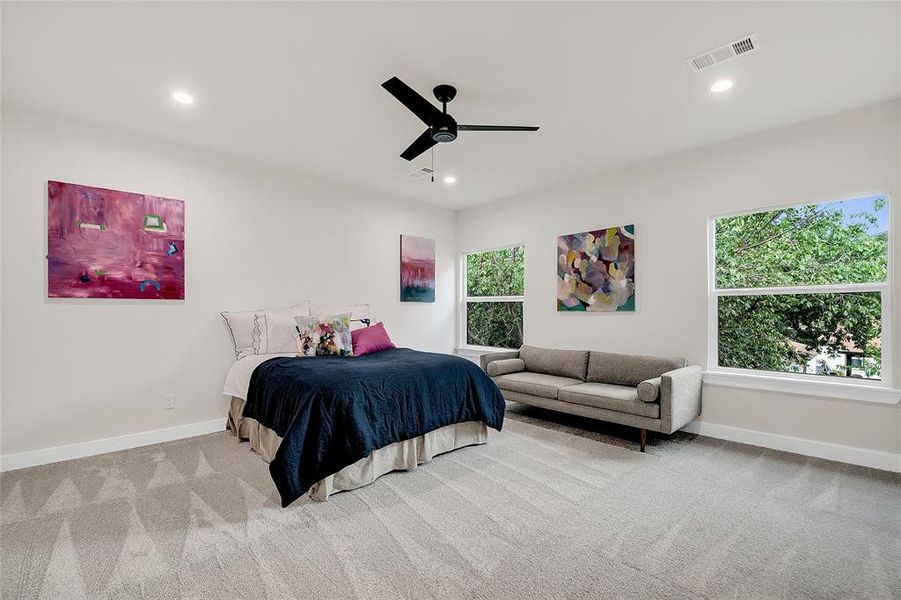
pixel 324 336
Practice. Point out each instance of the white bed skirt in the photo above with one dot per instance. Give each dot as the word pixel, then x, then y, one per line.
pixel 399 456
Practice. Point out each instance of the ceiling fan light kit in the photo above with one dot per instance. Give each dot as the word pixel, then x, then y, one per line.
pixel 441 127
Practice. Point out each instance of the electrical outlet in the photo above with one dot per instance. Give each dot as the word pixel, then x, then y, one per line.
pixel 170 402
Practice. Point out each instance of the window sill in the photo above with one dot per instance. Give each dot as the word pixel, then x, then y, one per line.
pixel 862 392
pixel 479 350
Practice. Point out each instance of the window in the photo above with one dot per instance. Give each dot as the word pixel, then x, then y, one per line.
pixel 492 307
pixel 803 289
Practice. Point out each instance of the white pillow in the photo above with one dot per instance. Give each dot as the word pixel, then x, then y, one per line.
pixel 265 331
pixel 281 329
pixel 247 329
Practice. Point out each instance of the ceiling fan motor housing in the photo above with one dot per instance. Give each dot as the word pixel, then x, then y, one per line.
pixel 444 130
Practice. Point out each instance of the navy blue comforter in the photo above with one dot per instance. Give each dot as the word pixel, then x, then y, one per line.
pixel 332 411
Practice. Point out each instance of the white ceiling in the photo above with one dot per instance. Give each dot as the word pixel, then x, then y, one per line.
pixel 298 84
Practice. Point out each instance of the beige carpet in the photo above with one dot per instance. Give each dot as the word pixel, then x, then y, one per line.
pixel 536 513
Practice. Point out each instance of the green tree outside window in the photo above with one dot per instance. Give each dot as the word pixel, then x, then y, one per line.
pixel 498 274
pixel 833 244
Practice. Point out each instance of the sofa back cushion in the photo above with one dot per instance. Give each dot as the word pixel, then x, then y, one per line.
pixel 628 369
pixel 563 363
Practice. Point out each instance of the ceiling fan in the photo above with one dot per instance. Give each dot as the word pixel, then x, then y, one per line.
pixel 442 128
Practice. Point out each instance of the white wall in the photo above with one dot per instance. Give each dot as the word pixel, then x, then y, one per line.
pixel 669 201
pixel 75 371
pixel 256 237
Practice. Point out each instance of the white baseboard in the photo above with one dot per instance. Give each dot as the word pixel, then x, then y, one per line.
pixel 877 459
pixel 31 458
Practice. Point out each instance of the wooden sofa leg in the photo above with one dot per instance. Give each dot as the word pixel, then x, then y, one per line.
pixel 642 438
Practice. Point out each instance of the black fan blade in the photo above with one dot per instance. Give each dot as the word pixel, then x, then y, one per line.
pixel 419 145
pixel 494 128
pixel 419 106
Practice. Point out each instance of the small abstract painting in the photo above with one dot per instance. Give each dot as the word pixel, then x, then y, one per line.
pixel 417 269
pixel 110 244
pixel 596 270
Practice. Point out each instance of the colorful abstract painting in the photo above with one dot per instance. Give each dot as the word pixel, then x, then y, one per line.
pixel 417 269
pixel 596 270
pixel 109 244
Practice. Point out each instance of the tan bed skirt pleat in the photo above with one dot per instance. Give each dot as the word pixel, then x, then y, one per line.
pixel 263 440
pixel 403 456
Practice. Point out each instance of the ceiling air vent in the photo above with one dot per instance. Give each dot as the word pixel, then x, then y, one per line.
pixel 724 53
pixel 423 172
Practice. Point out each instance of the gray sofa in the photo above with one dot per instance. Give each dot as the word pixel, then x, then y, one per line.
pixel 646 392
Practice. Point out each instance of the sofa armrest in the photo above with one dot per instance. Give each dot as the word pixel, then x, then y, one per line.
pixel 493 356
pixel 680 397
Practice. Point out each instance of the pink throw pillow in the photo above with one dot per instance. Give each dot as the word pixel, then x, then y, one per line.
pixel 371 339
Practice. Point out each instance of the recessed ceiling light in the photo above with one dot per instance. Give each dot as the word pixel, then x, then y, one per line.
pixel 450 179
pixel 183 97
pixel 721 86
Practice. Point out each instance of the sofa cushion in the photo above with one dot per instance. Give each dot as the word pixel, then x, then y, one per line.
pixel 620 398
pixel 537 384
pixel 628 369
pixel 507 365
pixel 562 363
pixel 649 390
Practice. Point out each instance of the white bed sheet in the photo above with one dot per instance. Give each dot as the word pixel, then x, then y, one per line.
pixel 237 381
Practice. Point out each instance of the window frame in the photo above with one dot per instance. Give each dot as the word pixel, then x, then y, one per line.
pixel 465 298
pixel 803 383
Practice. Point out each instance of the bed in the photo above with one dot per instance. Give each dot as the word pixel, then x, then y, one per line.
pixel 327 424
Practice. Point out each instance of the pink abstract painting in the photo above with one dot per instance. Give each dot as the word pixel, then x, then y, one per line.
pixel 417 269
pixel 110 244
